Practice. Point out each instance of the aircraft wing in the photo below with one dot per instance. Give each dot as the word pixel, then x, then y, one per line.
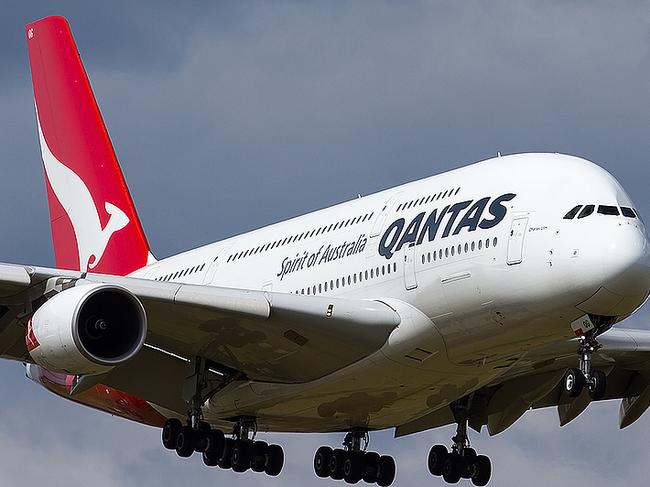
pixel 536 381
pixel 265 336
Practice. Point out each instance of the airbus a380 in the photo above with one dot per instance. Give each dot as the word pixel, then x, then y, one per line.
pixel 468 297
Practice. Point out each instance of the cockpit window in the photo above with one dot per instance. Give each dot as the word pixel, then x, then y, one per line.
pixel 608 210
pixel 586 211
pixel 628 212
pixel 572 212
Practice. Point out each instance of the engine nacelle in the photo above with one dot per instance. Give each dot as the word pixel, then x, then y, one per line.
pixel 87 329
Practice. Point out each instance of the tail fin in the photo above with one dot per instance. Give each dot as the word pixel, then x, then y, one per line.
pixel 95 226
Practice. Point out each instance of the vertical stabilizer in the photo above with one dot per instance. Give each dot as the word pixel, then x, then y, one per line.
pixel 95 226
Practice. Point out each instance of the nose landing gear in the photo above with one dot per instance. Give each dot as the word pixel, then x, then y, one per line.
pixel 353 464
pixel 575 380
pixel 462 461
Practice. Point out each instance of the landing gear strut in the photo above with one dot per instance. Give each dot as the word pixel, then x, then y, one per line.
pixel 240 452
pixel 576 379
pixel 353 463
pixel 462 461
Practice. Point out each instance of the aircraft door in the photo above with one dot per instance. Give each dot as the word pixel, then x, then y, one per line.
pixel 410 279
pixel 214 265
pixel 516 240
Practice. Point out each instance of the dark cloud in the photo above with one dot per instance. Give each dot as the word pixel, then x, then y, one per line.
pixel 231 115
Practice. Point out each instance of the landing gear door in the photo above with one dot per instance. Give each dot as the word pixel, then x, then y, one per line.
pixel 410 279
pixel 516 240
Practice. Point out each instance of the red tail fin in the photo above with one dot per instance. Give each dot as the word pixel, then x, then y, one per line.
pixel 94 223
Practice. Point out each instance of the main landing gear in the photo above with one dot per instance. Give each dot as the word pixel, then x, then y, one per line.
pixel 462 461
pixel 240 452
pixel 353 464
pixel 576 379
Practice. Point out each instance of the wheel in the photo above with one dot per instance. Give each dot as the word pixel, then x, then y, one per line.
pixel 258 456
pixel 214 444
pixel 185 442
pixel 371 467
pixel 336 464
pixel 574 382
pixel 201 437
pixel 241 455
pixel 353 467
pixel 275 460
pixel 482 470
pixel 436 460
pixel 452 468
pixel 469 454
pixel 225 461
pixel 387 469
pixel 598 385
pixel 170 433
pixel 213 448
pixel 322 461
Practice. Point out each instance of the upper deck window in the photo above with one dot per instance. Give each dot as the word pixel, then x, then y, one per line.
pixel 608 210
pixel 586 211
pixel 628 212
pixel 572 212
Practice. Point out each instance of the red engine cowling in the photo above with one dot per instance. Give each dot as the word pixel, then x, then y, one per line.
pixel 87 329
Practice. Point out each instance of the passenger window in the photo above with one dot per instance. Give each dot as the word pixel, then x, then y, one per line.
pixel 586 211
pixel 608 210
pixel 473 246
pixel 628 212
pixel 494 242
pixel 572 212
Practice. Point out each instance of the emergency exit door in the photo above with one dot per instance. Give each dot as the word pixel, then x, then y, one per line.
pixel 516 240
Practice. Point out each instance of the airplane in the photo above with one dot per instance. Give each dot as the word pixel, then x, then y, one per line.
pixel 465 298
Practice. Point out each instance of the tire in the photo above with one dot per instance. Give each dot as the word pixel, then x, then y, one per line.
pixel 387 471
pixel 574 382
pixel 436 460
pixel 170 433
pixel 275 461
pixel 210 460
pixel 201 437
pixel 482 471
pixel 371 467
pixel 468 458
pixel 215 444
pixel 336 464
pixel 185 442
pixel 225 462
pixel 353 467
pixel 452 468
pixel 322 461
pixel 241 455
pixel 259 457
pixel 598 386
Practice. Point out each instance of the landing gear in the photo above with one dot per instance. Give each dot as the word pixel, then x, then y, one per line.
pixel 353 464
pixel 595 380
pixel 462 461
pixel 239 453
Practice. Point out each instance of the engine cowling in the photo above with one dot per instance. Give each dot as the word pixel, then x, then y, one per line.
pixel 87 329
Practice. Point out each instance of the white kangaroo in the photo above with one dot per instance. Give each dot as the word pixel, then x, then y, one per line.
pixel 74 196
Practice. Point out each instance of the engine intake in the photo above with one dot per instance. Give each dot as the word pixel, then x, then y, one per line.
pixel 87 329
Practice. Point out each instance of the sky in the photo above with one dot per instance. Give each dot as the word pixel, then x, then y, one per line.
pixel 227 116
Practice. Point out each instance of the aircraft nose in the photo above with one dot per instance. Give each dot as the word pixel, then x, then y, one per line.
pixel 626 266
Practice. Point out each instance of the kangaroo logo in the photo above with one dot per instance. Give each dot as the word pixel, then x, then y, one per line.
pixel 74 196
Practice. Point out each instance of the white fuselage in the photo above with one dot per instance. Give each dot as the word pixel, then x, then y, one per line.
pixel 479 261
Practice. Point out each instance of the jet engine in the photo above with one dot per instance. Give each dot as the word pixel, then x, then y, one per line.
pixel 87 329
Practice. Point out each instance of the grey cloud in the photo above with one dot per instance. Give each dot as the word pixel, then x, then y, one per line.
pixel 252 112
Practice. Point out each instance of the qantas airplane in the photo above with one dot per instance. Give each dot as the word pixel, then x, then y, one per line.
pixel 464 298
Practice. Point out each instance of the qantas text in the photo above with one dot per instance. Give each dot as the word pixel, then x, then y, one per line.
pixel 398 234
